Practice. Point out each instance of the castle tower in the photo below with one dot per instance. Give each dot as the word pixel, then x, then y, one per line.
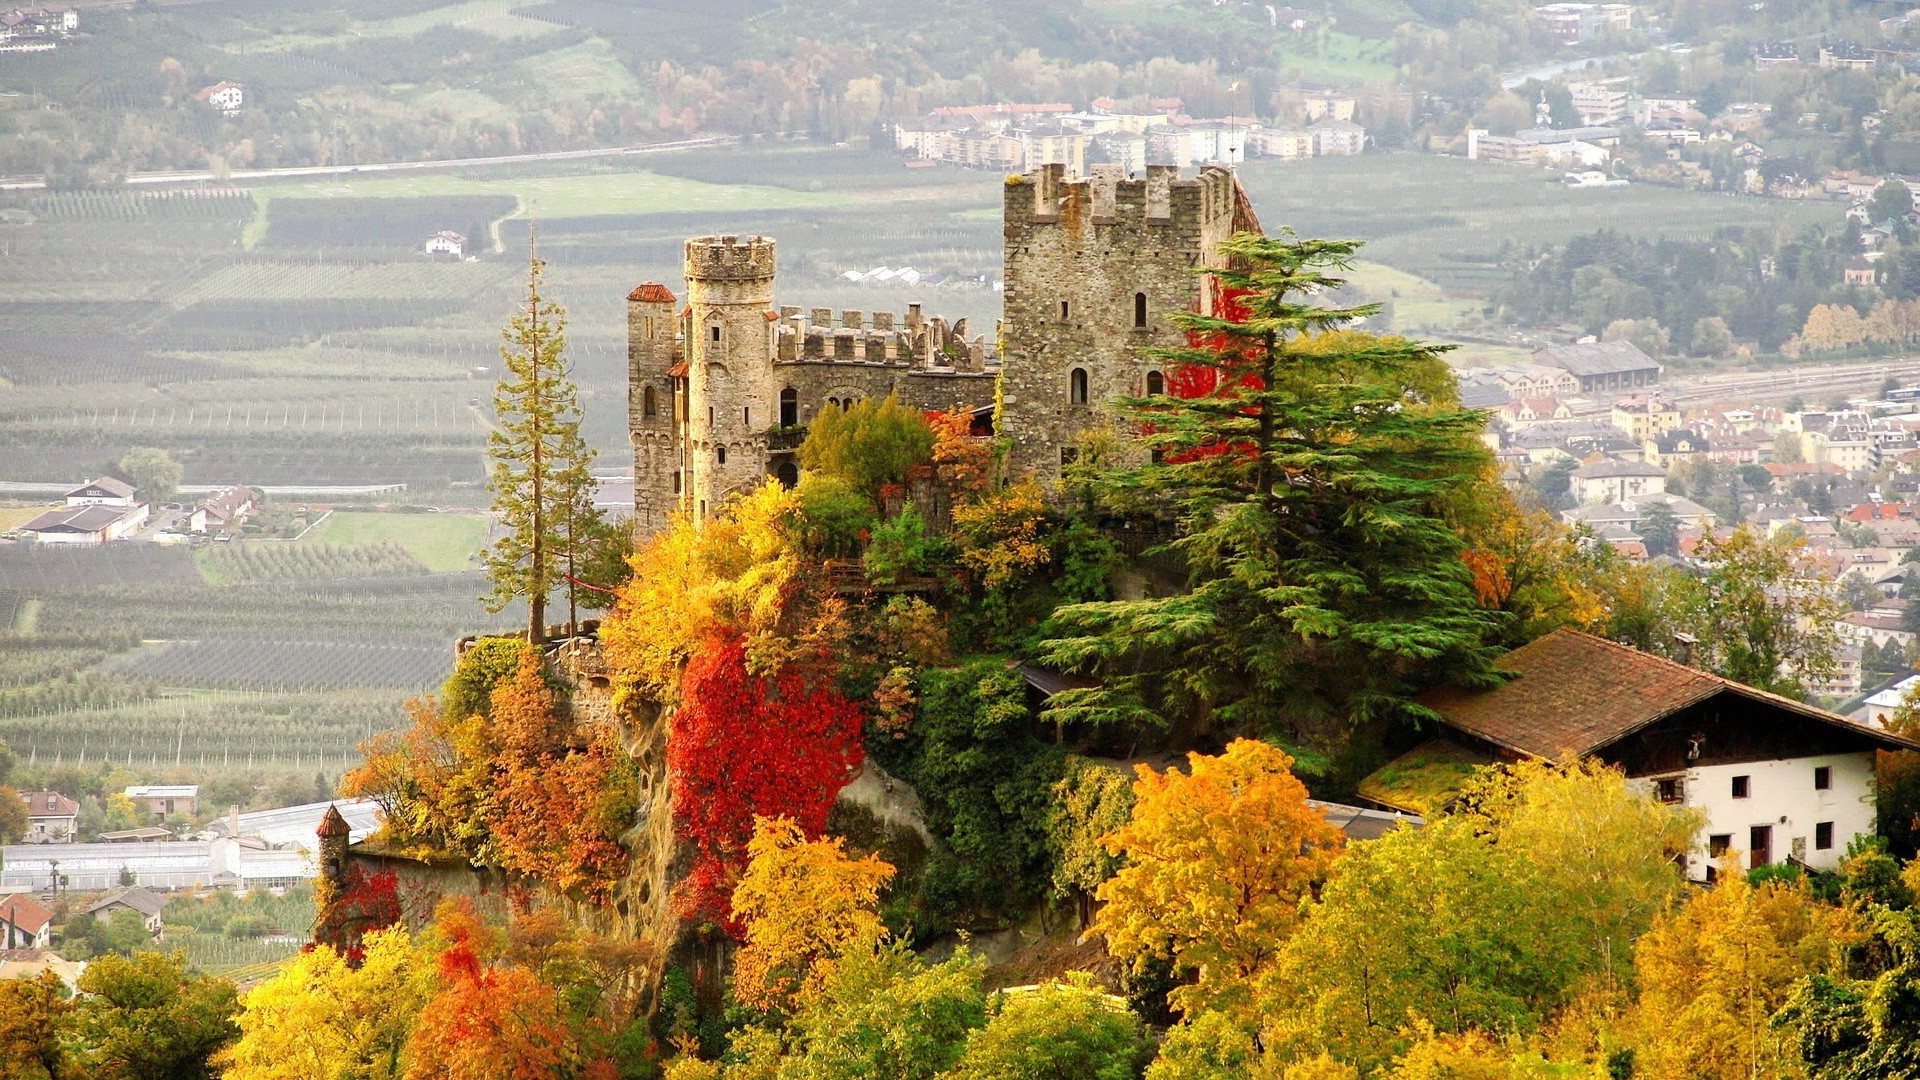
pixel 1093 269
pixel 652 407
pixel 729 330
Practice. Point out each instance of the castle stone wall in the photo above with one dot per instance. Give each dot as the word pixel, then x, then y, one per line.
pixel 1093 269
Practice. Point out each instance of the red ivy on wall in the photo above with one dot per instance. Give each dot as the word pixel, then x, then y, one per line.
pixel 743 745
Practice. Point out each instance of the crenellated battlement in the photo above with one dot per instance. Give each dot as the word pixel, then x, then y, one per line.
pixel 850 336
pixel 730 258
pixel 1112 198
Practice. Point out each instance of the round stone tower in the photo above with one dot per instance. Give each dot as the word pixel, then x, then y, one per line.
pixel 729 350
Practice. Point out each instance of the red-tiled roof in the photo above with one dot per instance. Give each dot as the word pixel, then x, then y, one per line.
pixel 1575 693
pixel 49 804
pixel 678 371
pixel 651 292
pixel 332 824
pixel 24 912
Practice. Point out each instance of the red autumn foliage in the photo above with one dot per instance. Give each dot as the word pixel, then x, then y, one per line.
pixel 365 903
pixel 743 745
pixel 1187 381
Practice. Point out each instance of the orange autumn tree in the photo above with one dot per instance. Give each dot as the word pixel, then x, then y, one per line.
pixel 491 1021
pixel 804 904
pixel 513 783
pixel 1218 862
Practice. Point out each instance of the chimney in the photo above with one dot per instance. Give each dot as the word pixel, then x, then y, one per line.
pixel 1683 644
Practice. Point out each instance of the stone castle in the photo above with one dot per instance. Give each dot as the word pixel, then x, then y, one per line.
pixel 720 389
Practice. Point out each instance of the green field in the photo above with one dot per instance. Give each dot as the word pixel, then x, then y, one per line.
pixel 586 195
pixel 443 542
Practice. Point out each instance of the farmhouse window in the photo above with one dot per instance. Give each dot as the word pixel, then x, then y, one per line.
pixel 1823 836
pixel 1669 789
pixel 1823 778
pixel 1742 786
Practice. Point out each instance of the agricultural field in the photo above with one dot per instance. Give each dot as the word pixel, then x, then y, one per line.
pixel 437 542
pixel 274 560
pixel 253 661
pixel 588 194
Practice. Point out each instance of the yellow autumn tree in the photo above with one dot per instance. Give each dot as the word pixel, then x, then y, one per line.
pixel 804 904
pixel 739 571
pixel 1713 973
pixel 1607 853
pixel 1218 860
pixel 321 1019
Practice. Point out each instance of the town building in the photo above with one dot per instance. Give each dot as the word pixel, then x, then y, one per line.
pixel 24 923
pixel 52 818
pixel 228 97
pixel 147 903
pixel 162 801
pixel 1574 23
pixel 1337 138
pixel 1602 365
pixel 97 512
pixel 1776 779
pixel 1617 481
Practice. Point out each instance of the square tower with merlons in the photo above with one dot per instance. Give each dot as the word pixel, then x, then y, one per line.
pixel 1094 267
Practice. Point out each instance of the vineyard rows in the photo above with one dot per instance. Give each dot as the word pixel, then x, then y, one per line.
pixel 309 731
pixel 276 280
pixel 257 560
pixel 41 570
pixel 205 204
pixel 75 692
pixel 423 415
pixel 262 663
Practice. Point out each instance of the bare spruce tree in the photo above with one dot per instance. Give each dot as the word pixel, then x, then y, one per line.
pixel 539 475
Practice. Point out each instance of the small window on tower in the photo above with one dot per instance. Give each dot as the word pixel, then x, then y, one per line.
pixel 709 416
pixel 1077 386
pixel 1156 383
pixel 676 481
pixel 1064 309
pixel 789 407
pixel 648 406
pixel 746 416
pixel 720 454
pixel 715 331
pixel 1139 310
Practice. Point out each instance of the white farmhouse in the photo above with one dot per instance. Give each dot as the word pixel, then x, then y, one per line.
pixel 1777 780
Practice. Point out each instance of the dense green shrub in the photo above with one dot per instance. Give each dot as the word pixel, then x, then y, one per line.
pixel 985 781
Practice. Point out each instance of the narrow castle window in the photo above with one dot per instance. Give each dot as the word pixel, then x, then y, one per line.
pixel 1156 383
pixel 648 407
pixel 720 454
pixel 1139 310
pixel 715 331
pixel 709 416
pixel 676 481
pixel 1077 387
pixel 789 407
pixel 746 416
pixel 1063 311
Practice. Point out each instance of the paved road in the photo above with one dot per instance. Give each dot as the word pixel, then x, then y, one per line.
pixel 238 175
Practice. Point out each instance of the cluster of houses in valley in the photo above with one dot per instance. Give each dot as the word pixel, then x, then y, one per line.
pixel 1652 479
pixel 36 29
pixel 138 869
pixel 108 509
pixel 1019 137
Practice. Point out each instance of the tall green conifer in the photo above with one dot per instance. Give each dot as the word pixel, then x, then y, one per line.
pixel 542 488
pixel 1312 470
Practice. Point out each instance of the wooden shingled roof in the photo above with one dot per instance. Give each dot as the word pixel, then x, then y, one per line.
pixel 1573 693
